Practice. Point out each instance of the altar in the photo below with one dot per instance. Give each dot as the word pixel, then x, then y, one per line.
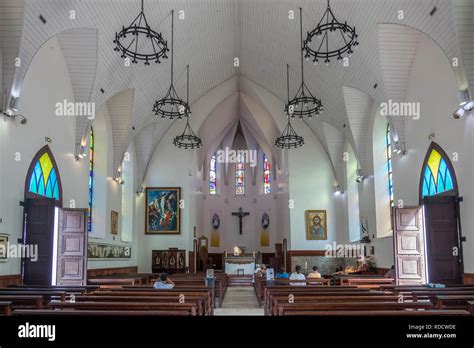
pixel 235 263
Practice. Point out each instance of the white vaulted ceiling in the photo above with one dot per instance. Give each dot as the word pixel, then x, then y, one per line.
pixel 213 33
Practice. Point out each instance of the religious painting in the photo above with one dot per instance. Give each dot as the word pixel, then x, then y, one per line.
pixel 108 252
pixel 4 247
pixel 114 222
pixel 215 237
pixel 316 225
pixel 264 233
pixel 162 211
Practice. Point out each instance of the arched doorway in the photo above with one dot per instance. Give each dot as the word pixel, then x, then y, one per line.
pixel 439 195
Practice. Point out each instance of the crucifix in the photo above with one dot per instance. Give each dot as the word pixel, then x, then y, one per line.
pixel 240 214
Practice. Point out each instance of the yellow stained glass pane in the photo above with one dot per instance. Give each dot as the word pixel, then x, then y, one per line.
pixel 46 166
pixel 433 164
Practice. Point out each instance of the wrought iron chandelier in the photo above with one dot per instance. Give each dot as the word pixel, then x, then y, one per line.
pixel 289 139
pixel 143 42
pixel 344 38
pixel 188 139
pixel 171 105
pixel 304 103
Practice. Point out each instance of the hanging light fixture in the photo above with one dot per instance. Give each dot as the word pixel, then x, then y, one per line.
pixel 304 103
pixel 289 139
pixel 143 43
pixel 188 139
pixel 342 35
pixel 171 105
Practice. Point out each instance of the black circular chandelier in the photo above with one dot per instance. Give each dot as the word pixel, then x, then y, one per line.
pixel 304 103
pixel 171 105
pixel 139 42
pixel 288 139
pixel 188 139
pixel 343 38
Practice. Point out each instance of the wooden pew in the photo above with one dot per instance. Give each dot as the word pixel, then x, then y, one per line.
pixel 202 309
pixel 372 283
pixel 453 301
pixel 5 307
pixel 47 295
pixel 351 306
pixel 90 313
pixel 130 306
pixel 76 289
pixel 205 294
pixel 381 313
pixel 24 301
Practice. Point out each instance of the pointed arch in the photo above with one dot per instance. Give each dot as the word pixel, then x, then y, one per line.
pixel 437 174
pixel 43 178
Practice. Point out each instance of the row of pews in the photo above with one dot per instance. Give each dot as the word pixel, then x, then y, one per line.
pixel 118 295
pixel 360 299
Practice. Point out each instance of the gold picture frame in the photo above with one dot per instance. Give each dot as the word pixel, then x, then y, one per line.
pixel 316 225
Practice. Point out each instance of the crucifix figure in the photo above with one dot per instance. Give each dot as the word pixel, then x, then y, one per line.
pixel 240 214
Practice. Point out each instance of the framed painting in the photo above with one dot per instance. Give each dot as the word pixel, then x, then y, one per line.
pixel 162 211
pixel 4 247
pixel 316 225
pixel 114 222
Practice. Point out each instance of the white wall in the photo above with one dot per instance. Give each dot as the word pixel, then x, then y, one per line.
pixel 38 105
pixel 353 217
pixel 311 185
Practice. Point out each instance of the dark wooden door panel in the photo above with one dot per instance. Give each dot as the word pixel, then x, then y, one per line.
pixel 39 231
pixel 442 237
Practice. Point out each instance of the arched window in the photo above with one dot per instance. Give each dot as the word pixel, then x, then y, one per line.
pixel 267 186
pixel 43 177
pixel 213 176
pixel 389 164
pixel 91 179
pixel 240 174
pixel 437 175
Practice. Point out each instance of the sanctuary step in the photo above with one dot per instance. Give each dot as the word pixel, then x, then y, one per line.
pixel 239 280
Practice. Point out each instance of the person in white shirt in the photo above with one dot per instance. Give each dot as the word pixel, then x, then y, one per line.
pixel 297 275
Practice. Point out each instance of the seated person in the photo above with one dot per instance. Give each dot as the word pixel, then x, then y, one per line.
pixel 315 273
pixel 282 274
pixel 390 273
pixel 339 270
pixel 164 282
pixel 297 275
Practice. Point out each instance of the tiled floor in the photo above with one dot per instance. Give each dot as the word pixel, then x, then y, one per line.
pixel 239 300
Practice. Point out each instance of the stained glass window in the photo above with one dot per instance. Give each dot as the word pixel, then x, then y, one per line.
pixel 44 179
pixel 91 179
pixel 213 176
pixel 389 164
pixel 240 175
pixel 267 187
pixel 437 177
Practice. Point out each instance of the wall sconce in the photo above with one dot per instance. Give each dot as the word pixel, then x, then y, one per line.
pixel 466 104
pixel 80 152
pixel 399 148
pixel 359 176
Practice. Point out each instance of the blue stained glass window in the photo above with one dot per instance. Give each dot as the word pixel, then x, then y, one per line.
pixel 43 178
pixel 91 180
pixel 389 164
pixel 213 176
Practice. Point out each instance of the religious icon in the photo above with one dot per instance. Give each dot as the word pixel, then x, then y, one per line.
pixel 316 225
pixel 163 211
pixel 265 221
pixel 114 222
pixel 216 221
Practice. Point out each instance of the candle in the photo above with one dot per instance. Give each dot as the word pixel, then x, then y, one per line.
pixel 306 265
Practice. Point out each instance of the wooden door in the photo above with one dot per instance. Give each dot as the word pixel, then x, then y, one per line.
pixel 409 245
pixel 442 239
pixel 39 232
pixel 72 246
